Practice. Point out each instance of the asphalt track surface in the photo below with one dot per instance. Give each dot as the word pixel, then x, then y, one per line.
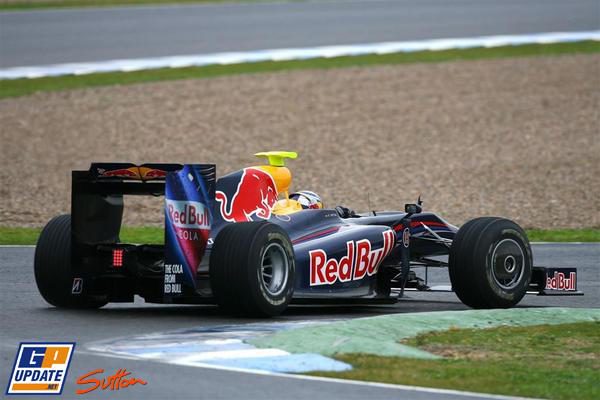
pixel 82 35
pixel 26 317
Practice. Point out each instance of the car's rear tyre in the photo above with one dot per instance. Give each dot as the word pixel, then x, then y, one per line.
pixel 52 267
pixel 252 269
pixel 490 263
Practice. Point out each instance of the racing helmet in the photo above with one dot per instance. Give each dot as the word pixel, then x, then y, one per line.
pixel 307 199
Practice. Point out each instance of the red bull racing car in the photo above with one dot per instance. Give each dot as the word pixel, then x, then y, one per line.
pixel 244 243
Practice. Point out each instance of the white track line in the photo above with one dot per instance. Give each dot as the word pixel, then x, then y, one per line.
pixel 199 60
pixel 232 354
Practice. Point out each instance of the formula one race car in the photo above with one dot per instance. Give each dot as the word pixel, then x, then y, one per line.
pixel 242 242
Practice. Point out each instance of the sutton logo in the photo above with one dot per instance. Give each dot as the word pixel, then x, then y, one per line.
pixel 324 271
pixel 40 368
pixel 120 380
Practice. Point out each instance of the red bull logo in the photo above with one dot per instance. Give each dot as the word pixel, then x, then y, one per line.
pixel 255 196
pixel 188 214
pixel 132 172
pixel 152 173
pixel 191 222
pixel 143 173
pixel 560 281
pixel 360 261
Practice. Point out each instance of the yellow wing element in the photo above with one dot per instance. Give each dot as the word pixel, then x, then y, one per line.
pixel 276 158
pixel 282 178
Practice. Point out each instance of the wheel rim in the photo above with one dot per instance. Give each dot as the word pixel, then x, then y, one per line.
pixel 508 264
pixel 274 269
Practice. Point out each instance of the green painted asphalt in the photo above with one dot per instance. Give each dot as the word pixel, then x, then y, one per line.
pixel 381 335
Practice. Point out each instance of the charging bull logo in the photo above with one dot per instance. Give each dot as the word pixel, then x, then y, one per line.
pixel 148 174
pixel 132 172
pixel 360 261
pixel 256 194
pixel 143 173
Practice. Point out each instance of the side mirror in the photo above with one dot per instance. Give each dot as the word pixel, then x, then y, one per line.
pixel 412 208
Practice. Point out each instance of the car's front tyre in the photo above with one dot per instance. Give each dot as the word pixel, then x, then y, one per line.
pixel 490 263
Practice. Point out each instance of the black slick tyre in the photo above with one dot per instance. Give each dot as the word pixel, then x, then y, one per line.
pixel 490 263
pixel 52 267
pixel 252 269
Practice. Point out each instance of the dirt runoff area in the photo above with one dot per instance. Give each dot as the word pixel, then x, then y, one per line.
pixel 514 137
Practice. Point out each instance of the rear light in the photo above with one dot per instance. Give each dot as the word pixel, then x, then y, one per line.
pixel 117 258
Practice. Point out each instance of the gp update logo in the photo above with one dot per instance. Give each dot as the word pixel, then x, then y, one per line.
pixel 40 368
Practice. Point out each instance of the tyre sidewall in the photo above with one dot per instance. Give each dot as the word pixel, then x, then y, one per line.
pixel 268 303
pixel 502 296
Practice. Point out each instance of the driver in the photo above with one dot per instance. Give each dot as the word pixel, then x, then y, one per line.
pixel 311 200
pixel 307 199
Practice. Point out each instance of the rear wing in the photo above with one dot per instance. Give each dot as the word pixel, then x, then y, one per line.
pixel 144 172
pixel 97 213
pixel 97 194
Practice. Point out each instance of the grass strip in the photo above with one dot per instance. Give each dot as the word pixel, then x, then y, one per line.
pixel 155 235
pixel 545 361
pixel 25 5
pixel 383 335
pixel 564 235
pixel 22 87
pixel 29 236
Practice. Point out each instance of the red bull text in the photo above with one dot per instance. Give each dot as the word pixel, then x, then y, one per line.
pixel 360 261
pixel 559 281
